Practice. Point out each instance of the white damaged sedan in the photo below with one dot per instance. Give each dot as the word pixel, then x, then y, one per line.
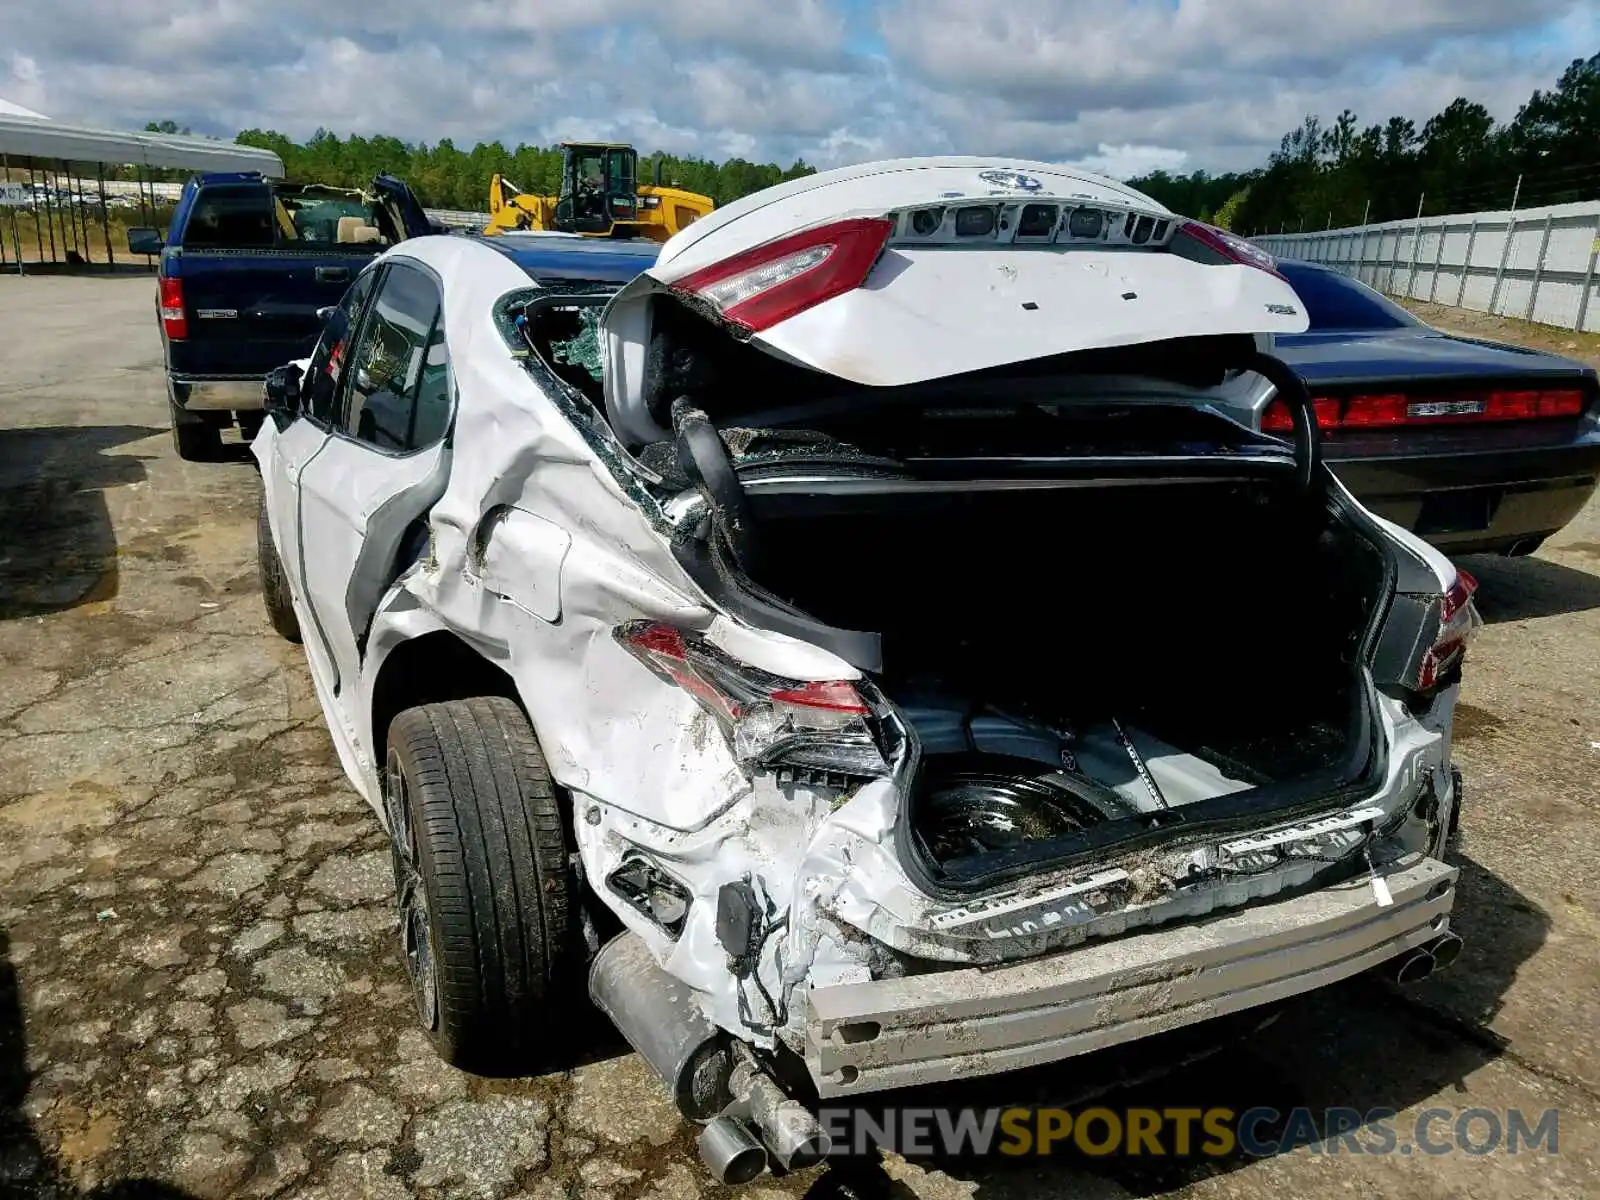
pixel 860 644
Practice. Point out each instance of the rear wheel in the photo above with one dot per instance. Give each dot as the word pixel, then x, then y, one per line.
pixel 274 584
pixel 486 891
pixel 195 438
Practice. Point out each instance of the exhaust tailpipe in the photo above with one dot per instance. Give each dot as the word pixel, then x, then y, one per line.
pixel 794 1138
pixel 659 1017
pixel 1426 959
pixel 731 1152
pixel 749 1117
pixel 1445 949
pixel 1414 967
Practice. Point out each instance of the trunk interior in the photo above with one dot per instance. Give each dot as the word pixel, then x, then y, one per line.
pixel 1090 664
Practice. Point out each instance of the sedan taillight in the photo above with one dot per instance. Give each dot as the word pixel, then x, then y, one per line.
pixel 807 724
pixel 785 277
pixel 1459 622
pixel 1389 410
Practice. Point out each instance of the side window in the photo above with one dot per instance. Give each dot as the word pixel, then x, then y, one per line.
pixel 433 391
pixel 231 218
pixel 332 352
pixel 398 395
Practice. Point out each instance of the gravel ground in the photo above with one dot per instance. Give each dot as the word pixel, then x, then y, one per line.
pixel 200 994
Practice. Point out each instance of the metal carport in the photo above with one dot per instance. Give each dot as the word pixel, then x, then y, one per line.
pixel 33 145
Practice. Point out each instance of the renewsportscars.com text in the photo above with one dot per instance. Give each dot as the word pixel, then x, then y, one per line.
pixel 1187 1132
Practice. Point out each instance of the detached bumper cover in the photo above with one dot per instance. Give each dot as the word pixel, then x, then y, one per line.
pixel 866 1037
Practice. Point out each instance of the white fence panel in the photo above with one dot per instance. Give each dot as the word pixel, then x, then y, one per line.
pixel 456 219
pixel 1537 264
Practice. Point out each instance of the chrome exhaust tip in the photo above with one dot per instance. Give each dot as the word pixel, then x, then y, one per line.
pixel 731 1152
pixel 794 1138
pixel 1414 967
pixel 1445 949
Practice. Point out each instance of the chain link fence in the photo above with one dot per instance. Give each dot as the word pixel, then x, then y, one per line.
pixel 1536 265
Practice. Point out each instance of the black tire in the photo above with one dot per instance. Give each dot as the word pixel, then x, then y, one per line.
pixel 196 439
pixel 274 584
pixel 477 837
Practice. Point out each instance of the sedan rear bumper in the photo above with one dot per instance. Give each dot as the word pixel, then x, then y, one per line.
pixel 1488 499
pixel 866 1037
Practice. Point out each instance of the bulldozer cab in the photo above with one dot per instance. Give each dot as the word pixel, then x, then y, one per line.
pixel 599 187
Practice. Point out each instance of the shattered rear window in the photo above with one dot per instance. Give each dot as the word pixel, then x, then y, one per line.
pixel 583 349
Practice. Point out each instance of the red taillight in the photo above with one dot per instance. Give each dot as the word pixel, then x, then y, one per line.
pixel 174 321
pixel 1569 403
pixel 771 283
pixel 1460 593
pixel 1374 412
pixel 1458 622
pixel 662 649
pixel 833 697
pixel 819 724
pixel 1232 247
pixel 1387 410
pixel 1277 420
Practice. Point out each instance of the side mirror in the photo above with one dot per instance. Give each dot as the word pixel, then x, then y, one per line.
pixel 326 311
pixel 280 393
pixel 144 241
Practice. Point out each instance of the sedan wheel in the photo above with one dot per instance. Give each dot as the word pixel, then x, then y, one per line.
pixel 416 934
pixel 486 889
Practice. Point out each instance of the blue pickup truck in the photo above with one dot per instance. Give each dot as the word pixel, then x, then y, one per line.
pixel 246 266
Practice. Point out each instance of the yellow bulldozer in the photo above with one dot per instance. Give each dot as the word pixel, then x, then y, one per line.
pixel 600 197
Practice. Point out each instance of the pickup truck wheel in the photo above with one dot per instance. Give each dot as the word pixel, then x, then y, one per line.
pixel 196 439
pixel 274 584
pixel 484 882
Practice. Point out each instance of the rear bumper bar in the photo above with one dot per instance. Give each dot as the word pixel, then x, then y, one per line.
pixel 866 1037
pixel 216 393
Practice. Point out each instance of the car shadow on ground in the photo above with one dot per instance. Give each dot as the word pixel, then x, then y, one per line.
pixel 57 547
pixel 1516 589
pixel 27 1170
pixel 1359 1046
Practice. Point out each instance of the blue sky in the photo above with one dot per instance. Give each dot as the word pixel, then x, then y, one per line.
pixel 1118 85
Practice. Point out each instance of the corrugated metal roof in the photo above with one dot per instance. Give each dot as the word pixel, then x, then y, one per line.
pixel 51 141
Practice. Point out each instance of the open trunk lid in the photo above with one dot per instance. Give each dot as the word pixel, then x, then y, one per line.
pixel 898 273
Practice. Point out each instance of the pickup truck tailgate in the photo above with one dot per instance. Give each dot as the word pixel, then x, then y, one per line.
pixel 252 310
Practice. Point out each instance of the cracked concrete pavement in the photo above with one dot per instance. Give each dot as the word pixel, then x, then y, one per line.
pixel 200 991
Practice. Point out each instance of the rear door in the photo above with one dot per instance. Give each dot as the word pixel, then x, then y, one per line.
pixel 364 497
pixel 284 452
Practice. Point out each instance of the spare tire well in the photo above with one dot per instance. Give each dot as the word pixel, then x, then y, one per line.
pixel 433 669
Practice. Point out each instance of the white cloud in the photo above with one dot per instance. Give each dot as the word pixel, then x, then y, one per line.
pixel 22 84
pixel 1120 85
pixel 1127 161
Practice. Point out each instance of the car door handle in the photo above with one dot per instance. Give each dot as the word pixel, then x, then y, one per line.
pixel 333 274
